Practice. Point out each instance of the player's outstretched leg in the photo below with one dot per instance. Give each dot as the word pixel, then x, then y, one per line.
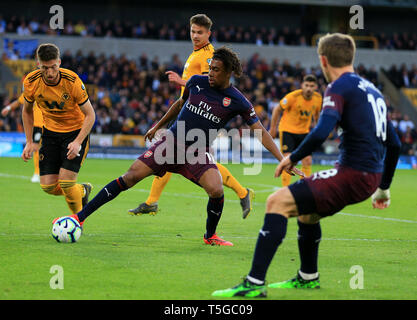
pixel 144 208
pixel 246 203
pixel 150 206
pixel 108 193
pixel 245 195
pixel 87 190
pixel 137 171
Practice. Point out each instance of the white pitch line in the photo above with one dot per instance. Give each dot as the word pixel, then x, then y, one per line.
pixel 125 236
pixel 6 175
pixel 197 196
pixel 376 217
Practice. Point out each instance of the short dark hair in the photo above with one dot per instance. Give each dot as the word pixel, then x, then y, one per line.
pixel 310 78
pixel 338 48
pixel 47 51
pixel 230 60
pixel 201 20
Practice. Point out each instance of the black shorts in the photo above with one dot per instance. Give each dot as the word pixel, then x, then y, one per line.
pixel 37 134
pixel 290 141
pixel 53 152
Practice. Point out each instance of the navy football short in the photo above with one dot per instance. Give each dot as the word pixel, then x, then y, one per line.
pixel 53 152
pixel 290 141
pixel 179 162
pixel 329 191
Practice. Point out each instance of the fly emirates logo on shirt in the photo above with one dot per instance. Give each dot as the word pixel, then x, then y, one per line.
pixel 204 110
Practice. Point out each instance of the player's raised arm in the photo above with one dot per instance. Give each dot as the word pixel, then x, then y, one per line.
pixel 170 115
pixel 314 139
pixel 175 78
pixel 12 106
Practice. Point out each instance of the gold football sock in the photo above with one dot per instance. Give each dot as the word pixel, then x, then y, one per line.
pixel 73 194
pixel 286 179
pixel 54 189
pixel 158 185
pixel 36 162
pixel 231 182
pixel 306 170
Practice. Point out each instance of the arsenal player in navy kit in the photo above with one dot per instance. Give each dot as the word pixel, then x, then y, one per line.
pixel 208 103
pixel 369 151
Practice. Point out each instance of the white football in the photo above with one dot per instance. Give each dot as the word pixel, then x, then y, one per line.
pixel 66 229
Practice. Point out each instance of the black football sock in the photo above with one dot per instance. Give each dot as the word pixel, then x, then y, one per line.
pixel 214 212
pixel 309 236
pixel 108 193
pixel 270 237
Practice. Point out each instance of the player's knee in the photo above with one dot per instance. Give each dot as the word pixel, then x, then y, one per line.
pixel 215 191
pixel 278 202
pixel 137 172
pixel 273 202
pixel 50 188
pixel 131 178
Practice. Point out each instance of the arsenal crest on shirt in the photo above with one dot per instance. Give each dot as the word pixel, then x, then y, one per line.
pixel 226 101
pixel 148 154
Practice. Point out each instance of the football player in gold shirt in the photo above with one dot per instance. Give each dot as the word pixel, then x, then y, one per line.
pixel 298 109
pixel 68 117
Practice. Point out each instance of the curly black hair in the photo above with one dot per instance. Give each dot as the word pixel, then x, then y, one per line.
pixel 230 60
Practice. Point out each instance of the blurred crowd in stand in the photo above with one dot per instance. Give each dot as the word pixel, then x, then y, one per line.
pixel 175 31
pixel 132 95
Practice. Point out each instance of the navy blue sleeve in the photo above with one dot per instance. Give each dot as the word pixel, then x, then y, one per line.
pixel 315 138
pixel 391 156
pixel 186 92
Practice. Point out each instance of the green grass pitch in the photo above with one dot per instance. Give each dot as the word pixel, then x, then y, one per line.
pixel 163 257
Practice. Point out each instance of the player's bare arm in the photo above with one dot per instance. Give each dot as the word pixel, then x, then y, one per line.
pixel 12 106
pixel 27 118
pixel 175 78
pixel 75 146
pixel 267 141
pixel 270 145
pixel 171 114
pixel 276 113
pixel 285 165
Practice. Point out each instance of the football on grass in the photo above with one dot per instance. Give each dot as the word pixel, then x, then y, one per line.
pixel 66 229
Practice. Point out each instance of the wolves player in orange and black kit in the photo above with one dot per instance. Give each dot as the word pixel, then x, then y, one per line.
pixel 196 64
pixel 298 109
pixel 68 118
